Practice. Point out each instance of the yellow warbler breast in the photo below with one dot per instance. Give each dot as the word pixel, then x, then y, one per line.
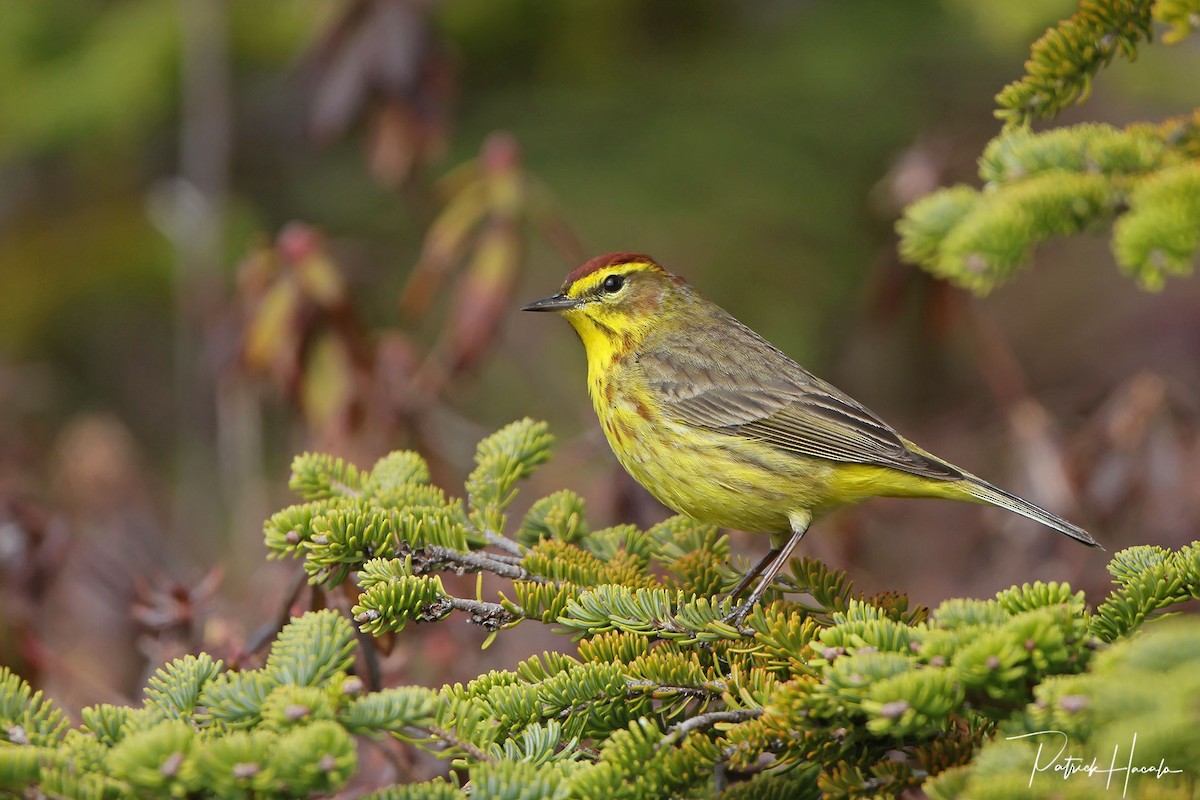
pixel 711 476
pixel 714 476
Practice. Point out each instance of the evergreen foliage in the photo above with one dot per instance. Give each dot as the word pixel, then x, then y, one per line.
pixel 823 692
pixel 1127 719
pixel 1064 60
pixel 1143 179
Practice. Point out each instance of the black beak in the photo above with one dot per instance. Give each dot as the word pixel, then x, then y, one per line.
pixel 555 302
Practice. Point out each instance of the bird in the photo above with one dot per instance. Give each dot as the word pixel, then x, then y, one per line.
pixel 723 427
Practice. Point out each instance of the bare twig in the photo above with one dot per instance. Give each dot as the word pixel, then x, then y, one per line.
pixel 491 616
pixel 267 632
pixel 366 643
pixel 505 559
pixel 452 740
pixel 504 543
pixel 717 688
pixel 677 732
pixel 433 557
pixel 190 212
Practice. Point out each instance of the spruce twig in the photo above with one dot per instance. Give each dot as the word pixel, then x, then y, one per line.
pixel 455 741
pixel 434 557
pixel 504 543
pixel 492 616
pixel 681 729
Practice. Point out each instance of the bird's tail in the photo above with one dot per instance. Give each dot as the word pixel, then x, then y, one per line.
pixel 986 493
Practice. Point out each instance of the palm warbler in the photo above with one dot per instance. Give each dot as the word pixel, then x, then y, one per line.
pixel 720 425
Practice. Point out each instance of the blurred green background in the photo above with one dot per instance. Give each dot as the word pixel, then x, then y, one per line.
pixel 151 151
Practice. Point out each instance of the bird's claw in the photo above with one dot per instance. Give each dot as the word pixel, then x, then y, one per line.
pixel 739 613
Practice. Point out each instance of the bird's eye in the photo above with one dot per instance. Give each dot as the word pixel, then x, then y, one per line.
pixel 613 283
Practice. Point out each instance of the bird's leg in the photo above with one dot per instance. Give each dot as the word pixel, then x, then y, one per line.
pixel 755 572
pixel 764 583
pixel 800 523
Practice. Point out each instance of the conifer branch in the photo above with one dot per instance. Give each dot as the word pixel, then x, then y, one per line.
pixel 1064 60
pixel 841 695
pixel 1144 179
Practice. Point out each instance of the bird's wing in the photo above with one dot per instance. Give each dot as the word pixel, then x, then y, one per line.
pixel 764 395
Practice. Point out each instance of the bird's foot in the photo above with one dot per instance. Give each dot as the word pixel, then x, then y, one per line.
pixel 739 613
